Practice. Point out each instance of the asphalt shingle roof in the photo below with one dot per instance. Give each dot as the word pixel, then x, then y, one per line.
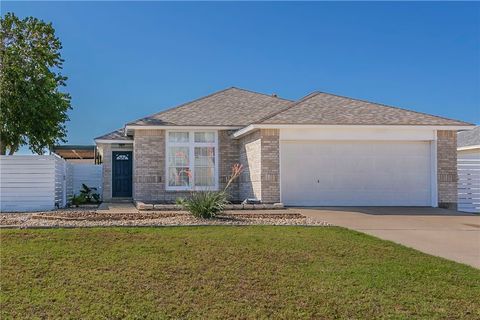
pixel 468 138
pixel 239 108
pixel 229 107
pixel 328 109
pixel 118 134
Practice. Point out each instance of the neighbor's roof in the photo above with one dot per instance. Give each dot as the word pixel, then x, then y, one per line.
pixel 118 134
pixel 75 151
pixel 469 138
pixel 229 107
pixel 328 109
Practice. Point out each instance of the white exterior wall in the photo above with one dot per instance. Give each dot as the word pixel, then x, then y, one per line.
pixel 83 173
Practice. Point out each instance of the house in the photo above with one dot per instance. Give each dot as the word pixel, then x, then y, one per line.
pixel 468 154
pixel 468 144
pixel 322 150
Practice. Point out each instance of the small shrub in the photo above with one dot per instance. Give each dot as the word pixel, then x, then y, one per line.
pixel 89 195
pixel 206 204
pixel 78 200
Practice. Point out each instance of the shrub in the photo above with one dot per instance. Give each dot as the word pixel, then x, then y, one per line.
pixel 78 200
pixel 89 195
pixel 205 204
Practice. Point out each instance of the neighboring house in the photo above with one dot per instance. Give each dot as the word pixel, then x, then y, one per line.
pixel 323 150
pixel 77 153
pixel 468 153
pixel 468 144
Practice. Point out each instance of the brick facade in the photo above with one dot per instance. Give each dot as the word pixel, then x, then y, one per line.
pixel 270 165
pixel 228 155
pixel 258 152
pixel 149 165
pixel 259 155
pixel 149 176
pixel 447 169
pixel 250 157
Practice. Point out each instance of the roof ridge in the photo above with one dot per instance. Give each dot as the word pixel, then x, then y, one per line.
pixel 201 98
pixel 394 107
pixel 263 94
pixel 303 99
pixel 181 105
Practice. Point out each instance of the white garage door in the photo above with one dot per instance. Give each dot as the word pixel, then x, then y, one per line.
pixel 355 173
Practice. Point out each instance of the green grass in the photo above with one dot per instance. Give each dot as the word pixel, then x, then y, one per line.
pixel 226 272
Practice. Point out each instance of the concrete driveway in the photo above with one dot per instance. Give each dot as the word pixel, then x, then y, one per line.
pixel 445 233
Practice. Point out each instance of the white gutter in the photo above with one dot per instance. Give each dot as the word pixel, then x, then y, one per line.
pixel 254 127
pixel 113 141
pixel 469 147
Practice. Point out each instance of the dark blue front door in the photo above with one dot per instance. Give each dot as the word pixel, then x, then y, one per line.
pixel 121 174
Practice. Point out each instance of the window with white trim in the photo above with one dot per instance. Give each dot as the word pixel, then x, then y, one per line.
pixel 192 160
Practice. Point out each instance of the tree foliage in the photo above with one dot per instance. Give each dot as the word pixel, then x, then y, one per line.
pixel 33 110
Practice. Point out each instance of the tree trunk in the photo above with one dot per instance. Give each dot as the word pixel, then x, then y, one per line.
pixel 3 148
pixel 12 149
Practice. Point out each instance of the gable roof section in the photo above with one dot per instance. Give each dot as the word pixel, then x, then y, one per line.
pixel 321 108
pixel 468 138
pixel 229 107
pixel 118 134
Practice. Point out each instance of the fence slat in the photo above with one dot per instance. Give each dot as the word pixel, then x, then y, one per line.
pixel 468 185
pixel 30 183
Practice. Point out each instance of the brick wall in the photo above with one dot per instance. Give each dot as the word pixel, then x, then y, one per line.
pixel 270 173
pixel 250 157
pixel 149 165
pixel 447 169
pixel 259 155
pixel 228 155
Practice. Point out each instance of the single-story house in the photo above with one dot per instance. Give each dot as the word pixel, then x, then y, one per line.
pixel 322 150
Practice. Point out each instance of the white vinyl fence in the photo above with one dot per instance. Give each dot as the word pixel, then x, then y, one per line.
pixel 83 173
pixel 468 185
pixel 32 183
pixel 41 183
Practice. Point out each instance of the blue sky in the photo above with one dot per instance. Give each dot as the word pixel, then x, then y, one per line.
pixel 126 60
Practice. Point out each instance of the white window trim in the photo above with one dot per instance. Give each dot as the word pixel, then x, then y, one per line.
pixel 191 144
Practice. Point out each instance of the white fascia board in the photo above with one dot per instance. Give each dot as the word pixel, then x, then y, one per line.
pixel 112 141
pixel 469 147
pixel 253 127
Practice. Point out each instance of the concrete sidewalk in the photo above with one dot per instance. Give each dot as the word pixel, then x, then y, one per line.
pixel 440 232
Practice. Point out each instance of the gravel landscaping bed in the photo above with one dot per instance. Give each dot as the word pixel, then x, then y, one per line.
pixel 91 218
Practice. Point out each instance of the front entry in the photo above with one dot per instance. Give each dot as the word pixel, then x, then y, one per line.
pixel 121 173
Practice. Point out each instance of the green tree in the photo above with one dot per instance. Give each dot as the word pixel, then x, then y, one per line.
pixel 33 110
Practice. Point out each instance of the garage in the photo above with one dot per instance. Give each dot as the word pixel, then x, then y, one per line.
pixel 355 173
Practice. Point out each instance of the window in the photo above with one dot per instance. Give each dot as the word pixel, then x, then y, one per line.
pixel 121 157
pixel 192 160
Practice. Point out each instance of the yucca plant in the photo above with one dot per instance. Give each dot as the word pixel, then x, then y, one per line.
pixel 207 204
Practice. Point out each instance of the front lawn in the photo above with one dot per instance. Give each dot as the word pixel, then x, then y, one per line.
pixel 226 272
